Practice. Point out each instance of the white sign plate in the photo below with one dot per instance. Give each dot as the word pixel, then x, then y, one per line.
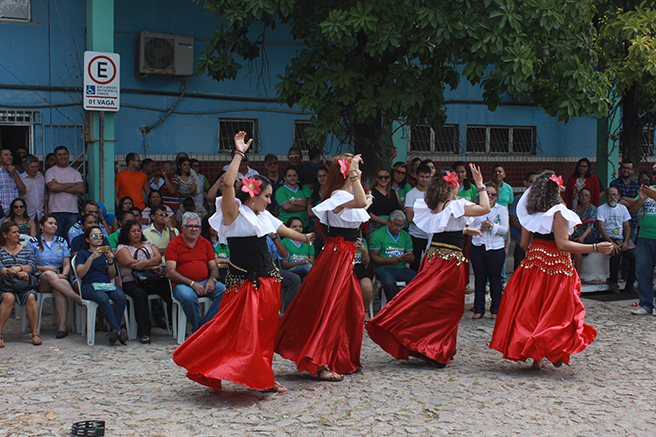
pixel 102 85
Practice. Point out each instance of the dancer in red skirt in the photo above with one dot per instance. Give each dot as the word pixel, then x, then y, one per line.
pixel 422 320
pixel 322 329
pixel 541 315
pixel 237 344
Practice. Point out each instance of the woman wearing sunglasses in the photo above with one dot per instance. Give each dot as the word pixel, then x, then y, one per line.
pixel 386 200
pixel 18 213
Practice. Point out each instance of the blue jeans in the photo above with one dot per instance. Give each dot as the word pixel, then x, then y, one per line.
pixel 645 255
pixel 292 282
pixel 488 265
pixel 189 300
pixel 388 277
pixel 301 270
pixel 113 316
pixel 64 222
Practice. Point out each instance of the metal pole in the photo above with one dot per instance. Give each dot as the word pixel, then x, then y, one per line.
pixel 101 160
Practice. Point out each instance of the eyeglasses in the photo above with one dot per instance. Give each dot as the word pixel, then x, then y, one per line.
pixel 271 163
pixel 383 177
pixel 19 206
pixel 402 173
pixel 96 236
pixel 192 227
pixel 294 157
pixel 491 194
pixel 160 214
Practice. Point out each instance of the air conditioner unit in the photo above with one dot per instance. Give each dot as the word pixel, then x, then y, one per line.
pixel 164 54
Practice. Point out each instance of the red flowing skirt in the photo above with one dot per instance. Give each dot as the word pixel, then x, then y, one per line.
pixel 324 324
pixel 541 315
pixel 237 344
pixel 424 316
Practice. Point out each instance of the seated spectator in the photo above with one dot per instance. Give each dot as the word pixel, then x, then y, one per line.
pixel 290 281
pixel 90 207
pixel 161 232
pixel 488 253
pixel 53 260
pixel 586 231
pixel 122 217
pixel 125 204
pixel 191 267
pixel 35 186
pixel 221 251
pixel 301 255
pixel 155 198
pixel 136 213
pixel 18 213
pixel 134 252
pixel 292 198
pixel 17 261
pixel 78 243
pixel 582 178
pixel 614 223
pixel 628 191
pixel 96 269
pixel 360 263
pixel 188 205
pixel 390 248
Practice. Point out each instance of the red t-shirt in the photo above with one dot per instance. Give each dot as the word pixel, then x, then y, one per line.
pixel 190 263
pixel 132 185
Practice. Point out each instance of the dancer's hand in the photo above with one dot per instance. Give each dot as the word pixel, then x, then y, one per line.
pixel 239 142
pixel 606 247
pixel 476 174
pixel 355 166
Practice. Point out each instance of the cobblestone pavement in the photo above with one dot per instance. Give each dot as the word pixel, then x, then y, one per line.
pixel 139 391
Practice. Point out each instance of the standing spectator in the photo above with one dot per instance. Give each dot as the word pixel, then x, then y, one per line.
pixel 272 165
pixel 582 178
pixel 295 158
pixel 168 186
pixel 385 201
pixel 191 266
pixel 18 213
pixel 488 254
pixel 465 189
pixel 503 189
pixel 301 255
pixel 244 170
pixel 585 233
pixel 203 183
pixel 161 232
pixel 64 184
pixel 19 158
pixel 645 248
pixel 399 184
pixel 430 165
pixel 53 260
pixel 628 190
pixel 188 180
pixel 155 198
pixel 11 184
pixel 90 207
pixel 309 171
pixel 293 198
pixel 419 237
pixel 515 226
pixel 35 188
pixel 613 221
pixel 150 170
pixel 412 171
pixel 132 182
pixel 17 260
pixel 96 269
pixel 390 248
pixel 50 161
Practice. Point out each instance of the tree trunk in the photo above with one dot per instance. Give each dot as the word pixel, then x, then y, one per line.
pixel 367 142
pixel 632 125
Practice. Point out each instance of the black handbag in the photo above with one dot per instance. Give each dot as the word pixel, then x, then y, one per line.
pixel 146 278
pixel 12 284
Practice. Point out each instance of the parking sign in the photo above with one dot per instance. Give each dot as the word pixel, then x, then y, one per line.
pixel 102 85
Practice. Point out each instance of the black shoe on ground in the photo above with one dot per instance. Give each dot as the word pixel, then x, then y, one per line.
pixel 123 336
pixel 612 286
pixel 113 336
pixel 61 334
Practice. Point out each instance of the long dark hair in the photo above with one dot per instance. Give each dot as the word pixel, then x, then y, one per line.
pixel 544 194
pixel 87 232
pixel 122 200
pixel 335 181
pixel 243 196
pixel 205 228
pixel 390 191
pixel 39 232
pixel 466 185
pixel 315 197
pixel 124 233
pixel 396 166
pixel 438 190
pixel 179 165
pixel 12 214
pixel 577 173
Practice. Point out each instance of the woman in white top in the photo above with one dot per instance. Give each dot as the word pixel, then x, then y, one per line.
pixel 488 253
pixel 237 344
pixel 322 329
pixel 422 320
pixel 541 315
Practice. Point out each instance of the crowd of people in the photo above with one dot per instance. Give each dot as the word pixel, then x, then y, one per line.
pixel 315 231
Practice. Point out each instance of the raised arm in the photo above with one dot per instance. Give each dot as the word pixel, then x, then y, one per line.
pixel 483 206
pixel 359 196
pixel 229 206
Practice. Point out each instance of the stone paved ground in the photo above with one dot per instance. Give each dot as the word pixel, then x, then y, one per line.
pixel 139 391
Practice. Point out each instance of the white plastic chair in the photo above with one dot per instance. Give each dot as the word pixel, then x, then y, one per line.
pixel 179 321
pixel 378 288
pixel 92 310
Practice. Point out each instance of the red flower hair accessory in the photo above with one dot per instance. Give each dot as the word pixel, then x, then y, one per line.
pixel 344 166
pixel 558 180
pixel 251 186
pixel 451 178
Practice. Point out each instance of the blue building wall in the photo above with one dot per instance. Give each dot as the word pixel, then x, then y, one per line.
pixel 48 52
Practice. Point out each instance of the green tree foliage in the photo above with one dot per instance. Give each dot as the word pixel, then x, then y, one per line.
pixel 366 63
pixel 626 46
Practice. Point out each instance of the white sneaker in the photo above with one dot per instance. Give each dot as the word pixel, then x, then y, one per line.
pixel 640 311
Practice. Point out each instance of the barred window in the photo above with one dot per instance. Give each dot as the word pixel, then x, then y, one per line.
pixel 228 127
pixel 502 139
pixel 299 134
pixel 16 10
pixel 422 138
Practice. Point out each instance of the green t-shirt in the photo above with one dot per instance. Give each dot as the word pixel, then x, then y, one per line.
pixel 648 220
pixel 113 239
pixel 402 191
pixel 221 251
pixel 389 246
pixel 297 253
pixel 286 194
pixel 471 194
pixel 506 196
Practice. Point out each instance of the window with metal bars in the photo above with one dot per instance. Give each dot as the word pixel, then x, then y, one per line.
pixel 299 134
pixel 20 10
pixel 502 139
pixel 646 147
pixel 422 138
pixel 228 127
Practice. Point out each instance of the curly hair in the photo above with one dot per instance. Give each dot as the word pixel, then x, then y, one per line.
pixel 438 190
pixel 544 194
